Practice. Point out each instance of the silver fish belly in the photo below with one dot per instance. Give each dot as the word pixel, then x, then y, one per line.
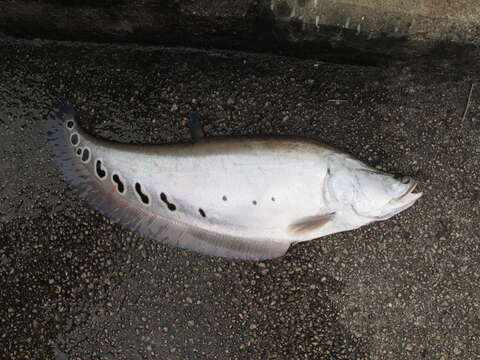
pixel 247 198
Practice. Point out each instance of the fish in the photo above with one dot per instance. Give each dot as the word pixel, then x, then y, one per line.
pixel 240 198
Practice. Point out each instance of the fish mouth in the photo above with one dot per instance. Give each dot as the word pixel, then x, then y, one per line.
pixel 405 200
pixel 398 210
pixel 407 192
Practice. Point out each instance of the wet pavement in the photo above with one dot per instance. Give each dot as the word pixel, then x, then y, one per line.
pixel 75 286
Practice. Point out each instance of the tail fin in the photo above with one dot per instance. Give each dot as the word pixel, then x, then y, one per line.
pixel 61 118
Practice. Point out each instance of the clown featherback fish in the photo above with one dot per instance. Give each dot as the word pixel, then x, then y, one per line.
pixel 246 198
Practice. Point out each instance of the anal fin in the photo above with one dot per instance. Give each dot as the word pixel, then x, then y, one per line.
pixel 131 214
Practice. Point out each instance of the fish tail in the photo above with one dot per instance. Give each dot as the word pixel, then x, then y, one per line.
pixel 57 120
pixel 61 130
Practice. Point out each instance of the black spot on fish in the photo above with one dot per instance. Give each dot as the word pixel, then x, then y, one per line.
pixel 273 199
pixel 170 206
pixel 70 124
pixel 120 185
pixel 100 172
pixel 254 202
pixel 163 197
pixel 202 212
pixel 144 198
pixel 224 198
pixel 74 139
pixel 86 155
pixel 79 151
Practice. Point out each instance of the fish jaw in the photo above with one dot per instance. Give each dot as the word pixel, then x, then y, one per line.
pixel 407 201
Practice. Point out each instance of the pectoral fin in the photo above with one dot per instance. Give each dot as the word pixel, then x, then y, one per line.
pixel 310 223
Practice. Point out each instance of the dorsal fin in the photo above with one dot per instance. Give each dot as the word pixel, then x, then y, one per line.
pixel 195 125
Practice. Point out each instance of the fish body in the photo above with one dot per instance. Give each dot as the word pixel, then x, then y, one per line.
pixel 247 198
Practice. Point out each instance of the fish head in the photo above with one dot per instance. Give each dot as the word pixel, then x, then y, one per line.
pixel 371 194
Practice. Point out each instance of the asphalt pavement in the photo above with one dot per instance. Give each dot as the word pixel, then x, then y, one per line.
pixel 75 286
